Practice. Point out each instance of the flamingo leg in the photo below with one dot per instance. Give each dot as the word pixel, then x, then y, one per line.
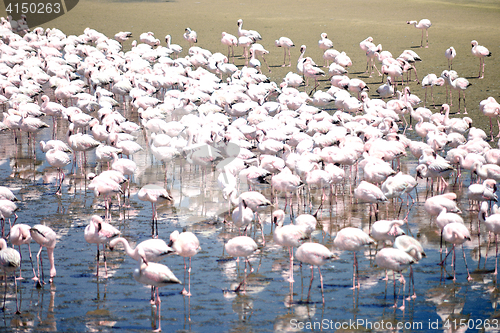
pixel 310 284
pixel 105 264
pixel 469 278
pixel 290 279
pixel 15 290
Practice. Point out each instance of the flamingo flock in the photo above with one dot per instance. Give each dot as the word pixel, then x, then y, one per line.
pixel 274 146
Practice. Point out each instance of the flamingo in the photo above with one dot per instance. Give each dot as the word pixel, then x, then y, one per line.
pixel 480 52
pixel 457 234
pixel 153 249
pixel 190 36
pixel 457 83
pixel 353 239
pixel 287 236
pixel 185 244
pixel 20 235
pixel 231 41
pixel 312 71
pixel 423 24
pixel 10 261
pixel 7 208
pixel 99 232
pixel 492 223
pixel 490 108
pixel 286 43
pixel 386 230
pixel 450 54
pixel 155 275
pixel 6 194
pixel 413 247
pixel 175 48
pixel 241 246
pixel 386 90
pixel 247 33
pixel 122 36
pixel 314 254
pixel 46 238
pixel 431 80
pixel 154 194
pixel 369 193
pixel 58 159
pixel 300 60
pixel 396 260
pixel 242 216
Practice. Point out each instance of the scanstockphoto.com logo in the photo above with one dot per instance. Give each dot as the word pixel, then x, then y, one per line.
pixel 32 13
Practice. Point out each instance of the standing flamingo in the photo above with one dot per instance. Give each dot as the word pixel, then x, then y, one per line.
pixel 99 232
pixel 413 247
pixel 185 244
pixel 46 238
pixel 492 224
pixel 314 254
pixel 286 43
pixel 58 159
pixel 450 54
pixel 190 36
pixel 10 261
pixel 431 80
pixel 457 234
pixel 423 24
pixel 480 52
pixel 287 236
pixel 154 194
pixel 241 246
pixel 396 260
pixel 353 239
pixel 20 235
pixel 231 41
pixel 155 275
pixel 369 193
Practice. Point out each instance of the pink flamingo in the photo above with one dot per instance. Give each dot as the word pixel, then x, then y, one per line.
pixel 480 52
pixel 314 254
pixel 369 193
pixel 286 43
pixel 288 236
pixel 155 275
pixel 154 249
pixel 185 244
pixel 231 41
pixel 457 234
pixel 353 239
pixel 20 235
pixel 396 260
pixel 491 109
pixel 423 24
pixel 458 83
pixel 492 224
pixel 10 261
pixel 431 80
pixel 58 159
pixel 413 247
pixel 450 54
pixel 241 246
pixel 190 36
pixel 46 238
pixel 99 232
pixel 154 194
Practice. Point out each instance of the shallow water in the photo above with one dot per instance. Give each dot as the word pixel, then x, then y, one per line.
pixel 78 301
